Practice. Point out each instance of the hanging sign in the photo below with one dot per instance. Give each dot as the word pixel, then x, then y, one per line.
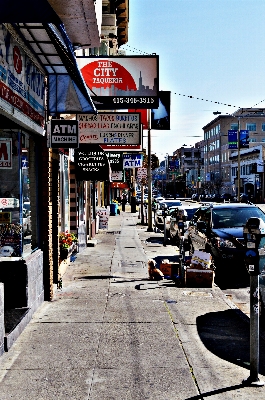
pixel 115 160
pixel 121 82
pixel 132 160
pixel 62 133
pixel 91 163
pixel 110 128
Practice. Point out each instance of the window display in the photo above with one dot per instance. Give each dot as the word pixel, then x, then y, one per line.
pixel 15 205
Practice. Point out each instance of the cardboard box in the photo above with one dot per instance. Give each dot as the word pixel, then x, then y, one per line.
pixel 199 278
pixel 169 269
pixel 201 259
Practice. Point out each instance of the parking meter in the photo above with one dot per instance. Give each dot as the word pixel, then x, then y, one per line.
pixel 164 214
pixel 254 235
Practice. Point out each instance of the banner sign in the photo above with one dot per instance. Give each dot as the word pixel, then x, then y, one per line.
pixel 21 82
pixel 91 163
pixel 110 128
pixel 243 139
pixel 5 153
pixel 121 82
pixel 62 133
pixel 132 160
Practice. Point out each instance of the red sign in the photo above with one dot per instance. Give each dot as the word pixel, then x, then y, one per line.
pixel 5 153
pixel 12 98
pixel 121 82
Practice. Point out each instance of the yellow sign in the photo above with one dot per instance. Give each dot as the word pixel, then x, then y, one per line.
pixel 5 217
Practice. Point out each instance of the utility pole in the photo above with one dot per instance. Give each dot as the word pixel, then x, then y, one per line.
pixel 238 160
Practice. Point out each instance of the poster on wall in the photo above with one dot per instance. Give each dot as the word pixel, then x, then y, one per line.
pixel 22 84
pixel 5 153
pixel 103 214
pixel 121 82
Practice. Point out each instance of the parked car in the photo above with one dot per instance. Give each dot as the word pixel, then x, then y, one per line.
pixel 218 229
pixel 159 219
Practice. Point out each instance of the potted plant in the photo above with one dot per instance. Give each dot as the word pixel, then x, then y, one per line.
pixel 67 242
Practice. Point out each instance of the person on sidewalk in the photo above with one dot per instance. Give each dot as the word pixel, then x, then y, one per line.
pixel 123 202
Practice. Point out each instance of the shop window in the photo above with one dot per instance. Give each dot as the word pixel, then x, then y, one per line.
pixel 17 187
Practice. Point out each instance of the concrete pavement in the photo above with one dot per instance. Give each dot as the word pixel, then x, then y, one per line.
pixel 110 333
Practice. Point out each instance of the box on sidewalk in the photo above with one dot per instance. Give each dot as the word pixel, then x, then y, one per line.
pixel 199 277
pixel 169 268
pixel 201 260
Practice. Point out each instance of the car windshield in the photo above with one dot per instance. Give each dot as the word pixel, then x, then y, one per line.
pixel 235 217
pixel 171 203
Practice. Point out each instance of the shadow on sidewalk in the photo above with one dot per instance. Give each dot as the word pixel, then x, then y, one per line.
pixel 226 334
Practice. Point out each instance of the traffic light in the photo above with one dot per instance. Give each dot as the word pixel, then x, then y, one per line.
pixel 199 178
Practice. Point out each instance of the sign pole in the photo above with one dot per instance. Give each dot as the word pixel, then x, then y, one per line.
pixel 149 175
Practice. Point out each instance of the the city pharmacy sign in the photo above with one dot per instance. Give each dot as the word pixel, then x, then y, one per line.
pixel 62 133
pixel 91 163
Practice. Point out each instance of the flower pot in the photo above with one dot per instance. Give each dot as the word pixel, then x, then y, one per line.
pixel 64 253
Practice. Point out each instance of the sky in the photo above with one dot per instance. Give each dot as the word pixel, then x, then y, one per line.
pixel 213 50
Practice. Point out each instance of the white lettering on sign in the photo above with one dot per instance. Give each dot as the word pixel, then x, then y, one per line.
pixel 64 129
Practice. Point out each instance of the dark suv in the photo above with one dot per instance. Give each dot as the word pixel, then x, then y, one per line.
pixel 218 229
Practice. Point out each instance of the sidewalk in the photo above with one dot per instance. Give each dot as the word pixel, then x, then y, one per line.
pixel 110 333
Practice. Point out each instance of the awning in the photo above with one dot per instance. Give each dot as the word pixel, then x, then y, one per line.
pixel 45 35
